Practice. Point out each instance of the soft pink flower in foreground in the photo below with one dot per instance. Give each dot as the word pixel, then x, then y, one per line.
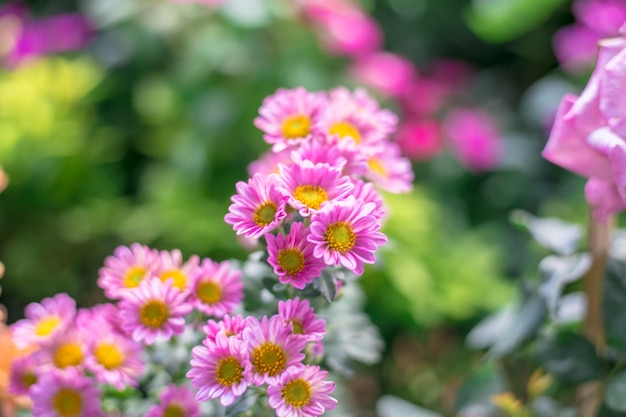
pixel 311 186
pixel 474 138
pixel 588 136
pixel 126 268
pixel 44 321
pixel 420 140
pixel 329 149
pixel 216 288
pixel 231 326
pixel 302 392
pixel 290 116
pixel 170 266
pixel 24 373
pixel 268 162
pixel 257 208
pixel 390 171
pixel 67 394
pixel 176 401
pixel 272 348
pixel 292 258
pixel 302 318
pixel 365 191
pixel 346 233
pixel 388 73
pixel 154 311
pixel 220 369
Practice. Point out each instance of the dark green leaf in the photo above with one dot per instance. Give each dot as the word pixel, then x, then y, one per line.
pixel 614 303
pixel 570 357
pixel 326 285
pixel 482 383
pixel 557 272
pixel 615 393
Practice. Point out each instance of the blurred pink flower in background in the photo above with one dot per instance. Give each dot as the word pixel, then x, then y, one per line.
pixel 420 139
pixel 474 138
pixel 576 45
pixel 23 38
pixel 588 136
pixel 389 73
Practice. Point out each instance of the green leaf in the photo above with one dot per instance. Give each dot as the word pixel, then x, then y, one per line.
pixel 557 272
pixel 551 233
pixel 570 357
pixel 615 393
pixel 614 302
pixel 326 285
pixel 390 406
pixel 482 383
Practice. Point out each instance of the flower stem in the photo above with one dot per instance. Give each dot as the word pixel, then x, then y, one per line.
pixel 599 239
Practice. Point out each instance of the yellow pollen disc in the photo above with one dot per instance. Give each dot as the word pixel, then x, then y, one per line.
pixel 67 402
pixel 69 354
pixel 344 130
pixel 47 325
pixel 154 314
pixel 297 393
pixel 109 355
pixel 265 213
pixel 297 327
pixel 295 127
pixel 269 358
pixel 134 276
pixel 291 260
pixel 311 196
pixel 375 165
pixel 178 276
pixel 174 410
pixel 29 379
pixel 228 371
pixel 209 292
pixel 340 237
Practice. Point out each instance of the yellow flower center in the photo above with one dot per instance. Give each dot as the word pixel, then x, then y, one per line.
pixel 340 237
pixel 311 196
pixel 228 371
pixel 295 127
pixel 269 358
pixel 154 314
pixel 47 325
pixel 291 260
pixel 265 213
pixel 174 410
pixel 297 327
pixel 134 276
pixel 375 165
pixel 67 402
pixel 344 130
pixel 178 277
pixel 210 292
pixel 29 379
pixel 297 392
pixel 69 354
pixel 109 355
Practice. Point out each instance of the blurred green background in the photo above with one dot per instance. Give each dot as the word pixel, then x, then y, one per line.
pixel 142 136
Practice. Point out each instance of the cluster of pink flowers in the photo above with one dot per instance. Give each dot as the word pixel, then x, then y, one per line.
pixel 316 187
pixel 589 133
pixel 241 352
pixel 431 119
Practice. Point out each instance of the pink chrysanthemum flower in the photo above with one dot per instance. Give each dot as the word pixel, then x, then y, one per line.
pixel 44 321
pixel 101 317
pixel 272 348
pixel 292 258
pixel 346 233
pixel 65 351
pixel 114 359
pixel 154 311
pixel 171 266
pixel 268 162
pixel 357 116
pixel 220 369
pixel 302 392
pixel 125 270
pixel 289 116
pixel 216 288
pixel 229 325
pixel 258 207
pixel 175 401
pixel 365 191
pixel 311 186
pixel 390 171
pixel 65 394
pixel 329 149
pixel 24 374
pixel 302 318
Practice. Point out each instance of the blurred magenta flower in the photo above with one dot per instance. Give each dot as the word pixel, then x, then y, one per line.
pixel 588 134
pixel 420 139
pixel 474 138
pixel 389 73
pixel 344 28
pixel 576 45
pixel 23 38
